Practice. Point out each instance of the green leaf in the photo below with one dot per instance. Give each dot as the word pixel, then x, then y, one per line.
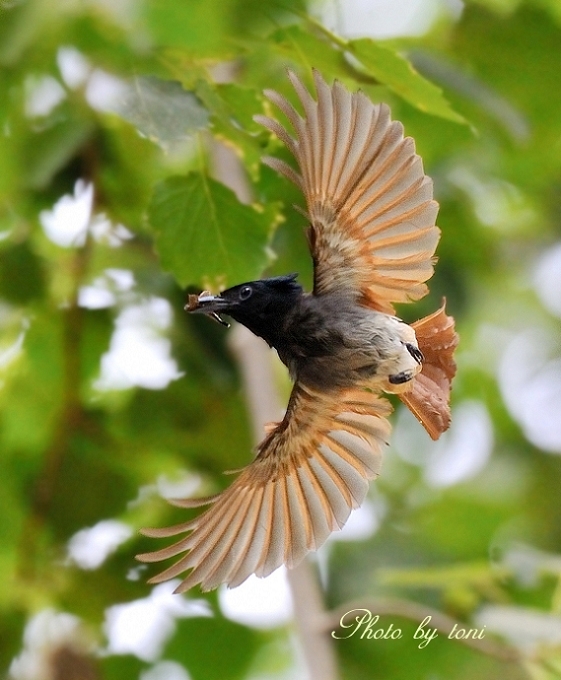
pixel 398 75
pixel 204 235
pixel 310 51
pixel 22 275
pixel 121 666
pixel 232 108
pixel 327 54
pixel 162 110
pixel 198 640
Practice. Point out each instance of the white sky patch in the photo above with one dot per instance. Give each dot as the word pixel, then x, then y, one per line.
pixel 523 627
pixel 104 90
pixel 104 231
pixel 72 218
pixel 178 488
pixel 529 564
pixel 74 67
pixel 138 354
pixel 530 382
pixel 144 626
pixel 460 453
pixel 165 670
pixel 67 223
pixel 383 18
pixel 89 548
pixel 464 450
pixel 547 280
pixel 43 94
pixel 259 602
pixel 185 485
pixel 105 289
pixel 96 296
pixel 362 524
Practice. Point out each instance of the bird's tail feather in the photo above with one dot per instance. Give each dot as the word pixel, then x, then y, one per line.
pixel 429 396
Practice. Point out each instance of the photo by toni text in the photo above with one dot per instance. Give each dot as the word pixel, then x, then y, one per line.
pixel 363 624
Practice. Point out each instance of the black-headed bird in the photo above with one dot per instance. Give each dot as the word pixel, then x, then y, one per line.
pixel 372 237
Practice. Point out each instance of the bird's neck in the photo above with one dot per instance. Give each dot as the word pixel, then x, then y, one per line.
pixel 271 327
pixel 274 322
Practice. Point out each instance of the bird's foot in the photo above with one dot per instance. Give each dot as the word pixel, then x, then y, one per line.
pixel 415 352
pixel 400 378
pixel 408 374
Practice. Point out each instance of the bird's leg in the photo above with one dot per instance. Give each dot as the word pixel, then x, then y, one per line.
pixel 406 361
pixel 415 352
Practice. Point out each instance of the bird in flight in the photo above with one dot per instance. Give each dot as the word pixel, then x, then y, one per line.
pixel 372 237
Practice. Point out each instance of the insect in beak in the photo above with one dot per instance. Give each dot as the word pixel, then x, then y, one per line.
pixel 205 303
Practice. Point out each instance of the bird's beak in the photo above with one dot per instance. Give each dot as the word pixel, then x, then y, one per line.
pixel 208 304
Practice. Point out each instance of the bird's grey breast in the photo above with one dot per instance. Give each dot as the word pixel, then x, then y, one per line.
pixel 332 342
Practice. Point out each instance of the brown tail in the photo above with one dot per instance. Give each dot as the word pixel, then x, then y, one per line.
pixel 429 396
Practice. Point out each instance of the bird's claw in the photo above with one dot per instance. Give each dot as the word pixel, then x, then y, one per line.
pixel 415 352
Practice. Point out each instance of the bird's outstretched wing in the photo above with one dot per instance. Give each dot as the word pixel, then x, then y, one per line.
pixel 370 205
pixel 311 470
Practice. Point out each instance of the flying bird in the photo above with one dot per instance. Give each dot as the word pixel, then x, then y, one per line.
pixel 372 237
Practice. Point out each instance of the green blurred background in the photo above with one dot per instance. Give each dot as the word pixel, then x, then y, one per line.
pixel 120 125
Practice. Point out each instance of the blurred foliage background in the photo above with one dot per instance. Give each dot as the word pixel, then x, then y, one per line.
pixel 121 123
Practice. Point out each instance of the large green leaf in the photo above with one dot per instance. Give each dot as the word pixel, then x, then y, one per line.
pixel 204 235
pixel 329 54
pixel 393 70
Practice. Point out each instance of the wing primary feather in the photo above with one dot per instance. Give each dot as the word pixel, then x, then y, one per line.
pixel 216 565
pixel 243 543
pixel 208 540
pixel 349 474
pixel 284 169
pixel 248 563
pixel 350 147
pixel 362 181
pixel 307 143
pixel 275 127
pixel 286 107
pixel 325 116
pixel 339 501
pixel 320 516
pixel 273 549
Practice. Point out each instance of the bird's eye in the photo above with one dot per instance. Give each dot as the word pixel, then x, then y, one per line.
pixel 245 293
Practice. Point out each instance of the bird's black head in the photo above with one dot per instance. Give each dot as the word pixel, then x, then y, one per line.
pixel 260 305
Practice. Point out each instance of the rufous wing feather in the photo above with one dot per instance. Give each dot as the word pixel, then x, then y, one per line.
pixel 370 205
pixel 309 473
pixel 429 396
